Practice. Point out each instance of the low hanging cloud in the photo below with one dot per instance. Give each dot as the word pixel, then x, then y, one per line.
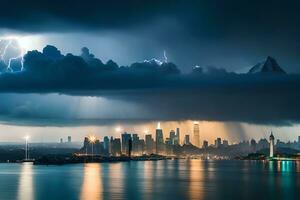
pixel 153 90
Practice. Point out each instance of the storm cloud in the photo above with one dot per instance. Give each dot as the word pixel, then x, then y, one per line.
pixel 231 34
pixel 149 90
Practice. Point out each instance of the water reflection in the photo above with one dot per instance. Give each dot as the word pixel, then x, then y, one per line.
pixel 148 180
pixel 196 179
pixel 282 166
pixel 25 188
pixel 116 180
pixel 92 183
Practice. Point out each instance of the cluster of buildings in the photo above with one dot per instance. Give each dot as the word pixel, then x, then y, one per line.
pixel 132 145
pixel 69 140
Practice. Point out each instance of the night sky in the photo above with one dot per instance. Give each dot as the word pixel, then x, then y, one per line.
pixel 209 48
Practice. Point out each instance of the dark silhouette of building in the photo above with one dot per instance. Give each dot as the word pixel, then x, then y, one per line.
pixel 187 139
pixel 129 147
pixel 177 141
pixel 115 146
pixel 106 145
pixel 125 143
pixel 253 146
pixel 159 140
pixel 205 144
pixel 172 137
pixel 149 144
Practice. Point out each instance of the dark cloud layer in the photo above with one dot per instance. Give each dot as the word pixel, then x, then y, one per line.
pixel 232 34
pixel 54 15
pixel 158 89
pixel 37 15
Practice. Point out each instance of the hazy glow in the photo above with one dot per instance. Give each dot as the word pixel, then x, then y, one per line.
pixel 118 129
pixel 26 42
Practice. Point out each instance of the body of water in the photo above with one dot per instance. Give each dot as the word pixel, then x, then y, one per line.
pixel 166 179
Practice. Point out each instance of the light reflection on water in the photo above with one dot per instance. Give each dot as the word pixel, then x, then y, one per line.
pixel 196 179
pixel 167 179
pixel 25 189
pixel 92 183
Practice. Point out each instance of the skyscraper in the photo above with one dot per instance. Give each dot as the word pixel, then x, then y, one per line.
pixel 172 137
pixel 135 143
pixel 187 139
pixel 125 143
pixel 196 140
pixel 106 145
pixel 116 146
pixel 159 140
pixel 218 143
pixel 177 136
pixel 271 145
pixel 69 139
pixel 253 145
pixel 205 144
pixel 149 144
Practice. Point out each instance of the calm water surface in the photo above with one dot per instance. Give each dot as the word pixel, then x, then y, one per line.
pixel 170 179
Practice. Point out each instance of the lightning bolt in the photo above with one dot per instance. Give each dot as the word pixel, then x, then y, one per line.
pixel 158 62
pixel 3 53
pixel 165 56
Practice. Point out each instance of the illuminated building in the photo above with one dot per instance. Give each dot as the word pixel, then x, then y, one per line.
pixel 137 145
pixel 159 140
pixel 196 140
pixel 271 145
pixel 172 137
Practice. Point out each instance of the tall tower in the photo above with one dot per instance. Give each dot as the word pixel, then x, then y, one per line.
pixel 159 139
pixel 178 135
pixel 271 145
pixel 196 140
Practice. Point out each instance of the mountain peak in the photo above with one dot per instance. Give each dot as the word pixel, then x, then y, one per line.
pixel 269 65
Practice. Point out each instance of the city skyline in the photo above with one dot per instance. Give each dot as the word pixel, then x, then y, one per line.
pixel 167 132
pixel 209 131
pixel 149 99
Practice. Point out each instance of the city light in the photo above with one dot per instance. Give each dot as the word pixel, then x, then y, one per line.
pixel 26 148
pixel 118 129
pixel 26 137
pixel 158 125
pixel 92 139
